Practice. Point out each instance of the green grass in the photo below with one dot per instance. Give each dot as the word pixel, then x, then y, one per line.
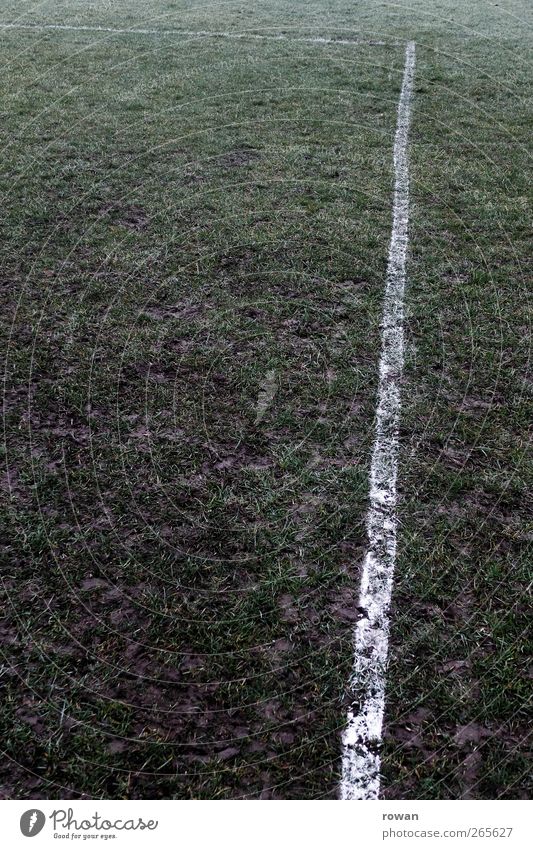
pixel 195 235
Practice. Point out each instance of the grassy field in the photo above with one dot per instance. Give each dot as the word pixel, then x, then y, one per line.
pixel 194 243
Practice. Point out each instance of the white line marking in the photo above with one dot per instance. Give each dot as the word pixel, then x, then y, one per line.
pixel 190 33
pixel 362 736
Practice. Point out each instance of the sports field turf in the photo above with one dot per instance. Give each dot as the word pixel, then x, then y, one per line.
pixel 194 234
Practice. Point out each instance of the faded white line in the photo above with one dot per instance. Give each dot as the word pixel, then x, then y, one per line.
pixel 192 33
pixel 362 737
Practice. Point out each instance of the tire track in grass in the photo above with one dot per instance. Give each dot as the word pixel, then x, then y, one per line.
pixel 362 736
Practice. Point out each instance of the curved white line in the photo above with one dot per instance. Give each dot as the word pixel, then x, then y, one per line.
pixel 190 33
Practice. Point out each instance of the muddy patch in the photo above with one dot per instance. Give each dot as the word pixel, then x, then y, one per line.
pixel 239 157
pixel 131 217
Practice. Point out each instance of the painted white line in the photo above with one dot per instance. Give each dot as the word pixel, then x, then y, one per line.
pixel 362 737
pixel 190 33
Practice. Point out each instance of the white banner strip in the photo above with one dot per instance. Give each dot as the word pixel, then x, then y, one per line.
pixel 311 824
